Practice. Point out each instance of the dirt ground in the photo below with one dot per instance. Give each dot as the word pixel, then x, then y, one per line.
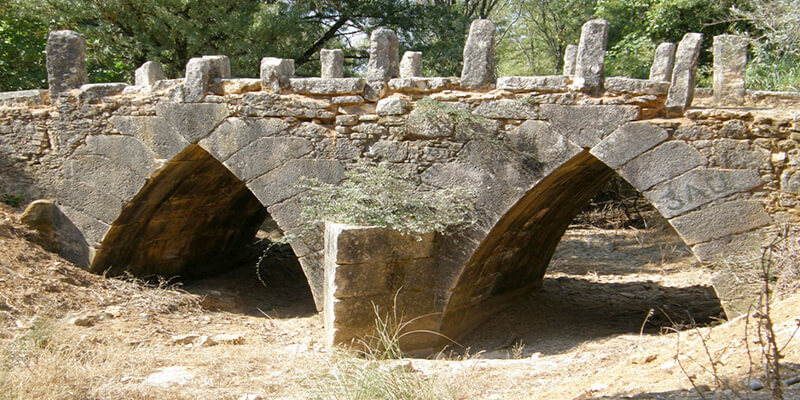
pixel 598 329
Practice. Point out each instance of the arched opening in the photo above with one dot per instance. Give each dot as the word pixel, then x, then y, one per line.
pixel 514 269
pixel 195 220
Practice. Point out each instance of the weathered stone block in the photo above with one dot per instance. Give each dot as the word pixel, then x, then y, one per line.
pixel 684 74
pixel 93 230
pixel 236 133
pixel 720 220
pixel 663 62
pixel 636 86
pixel 361 245
pixel 40 215
pixel 327 86
pixel 266 154
pixel 92 201
pixel 570 58
pixel 153 132
pixel 28 97
pixel 628 142
pixel 506 109
pixel 730 62
pixel 149 73
pixel 699 187
pixel 66 62
pixel 422 85
pixel 389 150
pixel 391 106
pixel 590 61
pixel 195 85
pixel 364 270
pixel 193 121
pixel 536 139
pixel 411 65
pixel 479 63
pixel 94 92
pixel 738 154
pixel 276 73
pixel 790 181
pixel 383 61
pixel 219 67
pixel 100 172
pixel 332 63
pixel 347 100
pixel 124 151
pixel 666 161
pixel 586 125
pixel 281 183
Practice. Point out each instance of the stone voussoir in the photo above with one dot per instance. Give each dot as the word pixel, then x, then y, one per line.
pixel 699 187
pixel 666 161
pixel 720 220
pixel 628 142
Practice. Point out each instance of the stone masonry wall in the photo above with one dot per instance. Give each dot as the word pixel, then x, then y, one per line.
pixel 723 177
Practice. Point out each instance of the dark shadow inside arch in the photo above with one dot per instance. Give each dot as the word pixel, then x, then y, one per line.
pixel 195 222
pixel 507 272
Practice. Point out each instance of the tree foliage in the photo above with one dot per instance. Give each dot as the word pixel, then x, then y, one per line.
pixel 123 34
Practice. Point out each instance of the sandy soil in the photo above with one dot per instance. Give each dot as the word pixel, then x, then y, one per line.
pixel 67 334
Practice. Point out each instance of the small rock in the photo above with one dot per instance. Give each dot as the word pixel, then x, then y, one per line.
pixel 185 339
pixel 126 379
pixel 228 338
pixel 753 384
pixel 177 375
pixel 112 312
pixel 204 341
pixel 792 381
pixel 83 320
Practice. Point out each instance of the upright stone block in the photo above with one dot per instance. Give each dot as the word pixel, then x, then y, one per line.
pixel 331 63
pixel 684 74
pixel 219 66
pixel 663 62
pixel 730 61
pixel 149 73
pixel 276 73
pixel 66 62
pixel 195 85
pixel 478 71
pixel 383 61
pixel 590 61
pixel 570 56
pixel 369 269
pixel 411 65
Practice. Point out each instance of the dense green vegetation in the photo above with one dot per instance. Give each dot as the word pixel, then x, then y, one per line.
pixel 123 34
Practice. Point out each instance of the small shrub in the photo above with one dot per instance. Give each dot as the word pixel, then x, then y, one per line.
pixel 376 195
pixel 11 199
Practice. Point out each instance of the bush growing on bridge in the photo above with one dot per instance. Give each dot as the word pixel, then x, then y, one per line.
pixel 377 195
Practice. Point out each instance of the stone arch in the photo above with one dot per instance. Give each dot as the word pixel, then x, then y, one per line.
pixel 186 162
pixel 705 206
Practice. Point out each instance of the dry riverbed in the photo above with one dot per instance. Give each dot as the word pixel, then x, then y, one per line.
pixel 601 327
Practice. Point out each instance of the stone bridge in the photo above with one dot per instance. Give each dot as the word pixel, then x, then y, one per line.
pixel 174 176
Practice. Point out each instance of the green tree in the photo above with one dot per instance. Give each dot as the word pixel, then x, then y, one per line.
pixel 22 42
pixel 538 31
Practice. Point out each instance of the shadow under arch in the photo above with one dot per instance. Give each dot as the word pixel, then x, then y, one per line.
pixel 191 219
pixel 513 257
